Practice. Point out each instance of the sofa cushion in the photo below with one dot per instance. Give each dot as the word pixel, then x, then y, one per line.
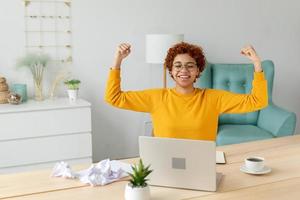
pixel 232 134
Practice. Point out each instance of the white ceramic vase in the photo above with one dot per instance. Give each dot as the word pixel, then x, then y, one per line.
pixel 137 193
pixel 73 94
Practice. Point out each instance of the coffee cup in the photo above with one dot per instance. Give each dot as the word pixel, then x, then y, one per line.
pixel 255 163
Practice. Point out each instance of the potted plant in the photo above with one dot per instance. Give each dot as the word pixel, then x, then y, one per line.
pixel 137 188
pixel 73 86
pixel 36 63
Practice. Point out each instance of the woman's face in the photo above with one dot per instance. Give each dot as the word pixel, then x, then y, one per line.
pixel 184 70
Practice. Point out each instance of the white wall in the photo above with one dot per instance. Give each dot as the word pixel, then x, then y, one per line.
pixel 220 27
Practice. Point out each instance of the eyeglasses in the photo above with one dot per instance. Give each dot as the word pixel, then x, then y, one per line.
pixel 189 66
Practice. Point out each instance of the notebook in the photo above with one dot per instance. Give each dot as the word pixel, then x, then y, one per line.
pixel 220 157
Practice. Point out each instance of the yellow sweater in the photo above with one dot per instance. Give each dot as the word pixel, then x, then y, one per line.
pixel 192 116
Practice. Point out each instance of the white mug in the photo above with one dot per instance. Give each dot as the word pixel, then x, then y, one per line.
pixel 255 163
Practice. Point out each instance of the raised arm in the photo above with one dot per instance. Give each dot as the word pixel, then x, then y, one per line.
pixel 229 102
pixel 142 101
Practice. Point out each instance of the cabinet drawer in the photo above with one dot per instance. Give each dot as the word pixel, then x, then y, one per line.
pixel 46 149
pixel 44 123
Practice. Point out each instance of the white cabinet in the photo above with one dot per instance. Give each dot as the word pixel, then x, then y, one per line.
pixel 36 134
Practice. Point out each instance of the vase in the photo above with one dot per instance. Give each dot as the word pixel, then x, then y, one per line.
pixel 73 94
pixel 38 91
pixel 20 89
pixel 137 193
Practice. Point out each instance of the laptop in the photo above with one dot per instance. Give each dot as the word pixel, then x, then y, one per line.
pixel 180 163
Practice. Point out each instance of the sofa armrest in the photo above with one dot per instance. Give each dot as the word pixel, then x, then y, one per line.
pixel 277 121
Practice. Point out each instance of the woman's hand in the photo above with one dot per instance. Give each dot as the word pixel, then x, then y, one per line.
pixel 250 53
pixel 122 51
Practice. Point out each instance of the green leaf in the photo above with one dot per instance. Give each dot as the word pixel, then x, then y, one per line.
pixel 139 174
pixel 72 84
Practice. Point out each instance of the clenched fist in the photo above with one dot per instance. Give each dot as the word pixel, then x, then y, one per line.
pixel 250 53
pixel 122 51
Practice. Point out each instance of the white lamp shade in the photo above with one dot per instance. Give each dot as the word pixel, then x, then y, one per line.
pixel 157 46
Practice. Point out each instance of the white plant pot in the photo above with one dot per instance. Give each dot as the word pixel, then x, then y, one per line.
pixel 137 193
pixel 73 94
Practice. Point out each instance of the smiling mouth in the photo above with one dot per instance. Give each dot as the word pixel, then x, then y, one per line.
pixel 184 77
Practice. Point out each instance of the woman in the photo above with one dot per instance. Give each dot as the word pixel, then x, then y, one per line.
pixel 186 111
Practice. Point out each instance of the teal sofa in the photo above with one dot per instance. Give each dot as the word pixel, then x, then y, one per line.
pixel 269 122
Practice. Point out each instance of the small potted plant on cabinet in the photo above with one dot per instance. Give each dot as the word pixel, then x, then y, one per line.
pixel 137 188
pixel 73 86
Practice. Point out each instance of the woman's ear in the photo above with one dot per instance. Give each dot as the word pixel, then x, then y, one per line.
pixel 171 74
pixel 198 73
pixel 197 76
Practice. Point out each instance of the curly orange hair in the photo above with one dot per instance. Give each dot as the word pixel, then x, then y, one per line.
pixel 194 51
